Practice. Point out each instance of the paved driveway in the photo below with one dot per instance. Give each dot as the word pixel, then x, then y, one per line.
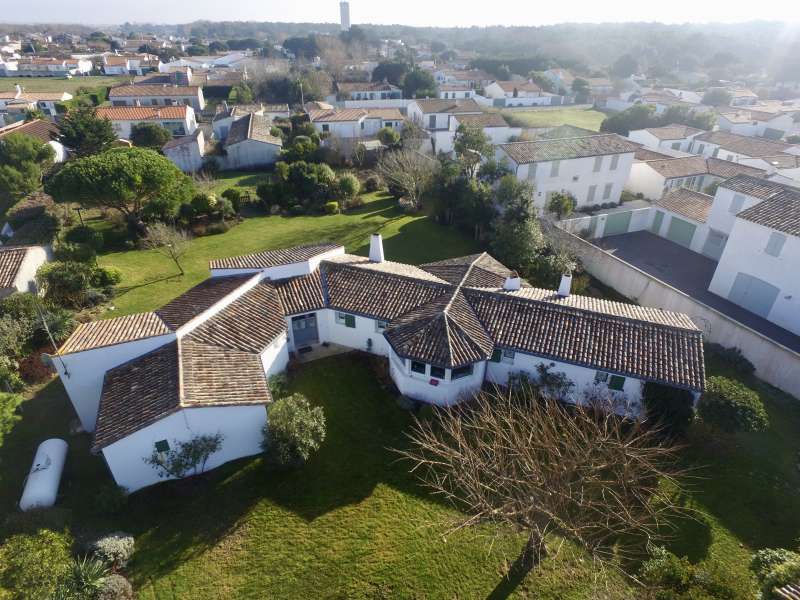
pixel 689 272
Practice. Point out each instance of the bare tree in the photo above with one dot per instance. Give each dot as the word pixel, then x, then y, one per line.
pixel 585 475
pixel 409 171
pixel 172 243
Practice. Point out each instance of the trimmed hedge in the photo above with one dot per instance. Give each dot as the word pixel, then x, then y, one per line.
pixel 731 407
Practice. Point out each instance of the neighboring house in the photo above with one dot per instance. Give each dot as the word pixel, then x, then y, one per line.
pixel 187 152
pixel 561 78
pixel 757 123
pixel 250 144
pixel 52 67
pixel 200 364
pixel 662 100
pixel 137 64
pixel 375 90
pixel 599 86
pixel 455 91
pixel 730 146
pixel 492 124
pixel 673 137
pixel 681 216
pixel 178 120
pixel 157 95
pixel 743 97
pixel 226 114
pixel 43 101
pixel 351 123
pixel 512 89
pixel 473 78
pixel 435 116
pixel 758 269
pixel 18 266
pixel 45 131
pixel 592 168
pixel 655 177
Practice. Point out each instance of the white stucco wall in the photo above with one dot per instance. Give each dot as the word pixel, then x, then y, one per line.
pixel 419 387
pixel 745 253
pixel 35 257
pixel 354 337
pixel 249 154
pixel 87 370
pixel 643 179
pixel 284 271
pixel 275 357
pixel 720 218
pixel 241 426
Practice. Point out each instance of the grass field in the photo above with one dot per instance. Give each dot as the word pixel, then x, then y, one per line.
pixel 149 279
pixel 58 84
pixel 579 117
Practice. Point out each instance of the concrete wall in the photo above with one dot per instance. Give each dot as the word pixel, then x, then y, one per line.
pixel 250 154
pixel 745 253
pixel 641 219
pixel 774 363
pixel 241 426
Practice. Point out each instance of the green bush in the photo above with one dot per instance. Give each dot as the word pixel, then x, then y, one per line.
pixel 9 413
pixel 373 183
pixel 33 564
pixel 731 407
pixel 204 204
pixel 279 386
pixel 71 283
pixel 294 430
pixel 781 575
pixel 114 549
pixel 765 560
pixel 114 587
pixel 348 186
pixel 9 379
pixel 331 208
pixel 668 408
pixel 68 252
pixel 296 210
pixel 217 228
pixel 83 580
pixel 668 577
pixel 83 234
pixel 730 358
pixel 110 498
pixel 234 195
pixel 104 277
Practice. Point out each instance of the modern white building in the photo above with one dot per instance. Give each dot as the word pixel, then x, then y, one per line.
pixel 199 364
pixel 352 123
pixel 455 91
pixel 51 67
pixel 737 148
pixel 758 269
pixel 157 95
pixel 672 137
pixel 178 120
pixel 43 101
pixel 493 125
pixel 592 168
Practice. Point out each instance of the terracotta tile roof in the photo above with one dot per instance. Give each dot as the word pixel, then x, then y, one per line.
pixel 38 128
pixel 686 202
pixel 387 114
pixel 727 168
pixel 688 166
pixel 336 115
pixel 125 91
pixel 673 132
pixel 567 148
pixel 108 332
pixel 453 107
pixel 273 258
pixel 742 144
pixel 137 394
pixel 184 139
pixel 142 113
pixel 779 210
pixel 300 294
pixel 645 154
pixel 475 270
pixel 387 266
pixel 200 298
pixel 482 120
pixel 757 187
pixel 11 259
pixel 252 127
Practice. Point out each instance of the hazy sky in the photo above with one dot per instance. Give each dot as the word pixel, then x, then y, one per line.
pixel 408 12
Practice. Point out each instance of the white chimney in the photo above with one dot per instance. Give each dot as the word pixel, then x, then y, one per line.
pixel 566 285
pixel 18 88
pixel 376 248
pixel 512 282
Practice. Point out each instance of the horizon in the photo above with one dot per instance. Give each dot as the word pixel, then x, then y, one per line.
pixel 416 13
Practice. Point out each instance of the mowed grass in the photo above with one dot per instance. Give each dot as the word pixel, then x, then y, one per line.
pixel 579 117
pixel 150 279
pixel 59 84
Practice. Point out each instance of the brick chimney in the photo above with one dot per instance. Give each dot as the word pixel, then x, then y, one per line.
pixel 376 248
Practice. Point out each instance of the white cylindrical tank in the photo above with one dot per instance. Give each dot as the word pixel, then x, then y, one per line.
pixel 41 487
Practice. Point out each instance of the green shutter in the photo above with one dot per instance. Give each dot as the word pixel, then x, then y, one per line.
pixel 496 356
pixel 616 382
pixel 350 321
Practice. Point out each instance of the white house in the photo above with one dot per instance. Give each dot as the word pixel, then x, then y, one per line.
pixel 654 177
pixel 758 123
pixel 52 67
pixel 758 267
pixel 199 364
pixel 187 152
pixel 736 148
pixel 681 216
pixel 673 137
pixel 592 168
pixel 368 90
pixel 226 114
pixel 352 123
pixel 512 89
pixel 456 91
pixel 135 64
pixel 178 120
pixel 18 266
pixel 742 97
pixel 493 125
pixel 157 95
pixel 250 143
pixel 45 131
pixel 43 101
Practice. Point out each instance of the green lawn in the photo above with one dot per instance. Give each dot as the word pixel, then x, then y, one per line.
pixel 150 279
pixel 58 84
pixel 579 117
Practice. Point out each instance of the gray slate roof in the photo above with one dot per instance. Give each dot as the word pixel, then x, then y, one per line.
pixel 252 127
pixel 742 144
pixel 780 206
pixel 566 148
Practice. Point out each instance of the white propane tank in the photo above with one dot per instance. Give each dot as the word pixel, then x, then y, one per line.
pixel 41 486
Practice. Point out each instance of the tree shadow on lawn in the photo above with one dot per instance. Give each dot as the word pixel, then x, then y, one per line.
pixel 179 520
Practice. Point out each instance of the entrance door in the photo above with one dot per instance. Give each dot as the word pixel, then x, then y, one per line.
pixel 304 330
pixel 617 223
pixel 754 294
pixel 680 231
pixel 715 244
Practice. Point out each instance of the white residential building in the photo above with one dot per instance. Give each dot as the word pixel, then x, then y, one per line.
pixel 375 90
pixel 199 365
pixel 737 148
pixel 354 123
pixel 592 168
pixel 178 120
pixel 52 67
pixel 43 101
pixel 136 64
pixel 755 122
pixel 187 152
pixel 157 95
pixel 673 137
pixel 18 266
pixel 455 91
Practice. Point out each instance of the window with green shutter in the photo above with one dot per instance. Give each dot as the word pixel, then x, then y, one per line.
pixel 497 355
pixel 616 382
pixel 350 321
pixel 162 446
